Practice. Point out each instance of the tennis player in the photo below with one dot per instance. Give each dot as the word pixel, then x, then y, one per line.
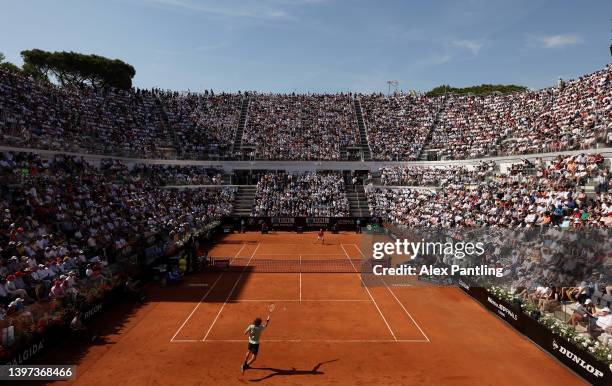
pixel 254 331
pixel 321 236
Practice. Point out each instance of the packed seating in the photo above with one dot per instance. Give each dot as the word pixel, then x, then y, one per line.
pixel 305 195
pixel 403 127
pixel 436 176
pixel 301 127
pixel 472 126
pixel 398 126
pixel 135 123
pixel 574 115
pixel 203 125
pixel 65 224
pixel 105 121
pixel 528 195
pixel 161 175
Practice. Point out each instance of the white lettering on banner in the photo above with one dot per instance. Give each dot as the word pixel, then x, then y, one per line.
pixel 27 354
pixel 463 285
pixel 503 310
pixel 319 220
pixel 94 310
pixel 576 359
pixel 283 220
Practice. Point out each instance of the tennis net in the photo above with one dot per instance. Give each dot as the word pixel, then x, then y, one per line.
pixel 322 265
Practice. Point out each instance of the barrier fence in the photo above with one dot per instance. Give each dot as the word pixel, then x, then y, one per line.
pixel 575 358
pixel 26 332
pixel 294 224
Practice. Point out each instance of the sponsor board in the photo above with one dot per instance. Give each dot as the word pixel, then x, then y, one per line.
pixel 502 309
pixel 575 358
pixel 95 309
pixel 578 360
pixel 28 353
pixel 50 337
pixel 283 222
pixel 295 223
pixel 463 285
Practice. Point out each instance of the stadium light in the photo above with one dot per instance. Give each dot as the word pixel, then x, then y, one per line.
pixel 393 83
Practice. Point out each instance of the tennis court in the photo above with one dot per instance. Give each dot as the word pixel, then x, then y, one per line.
pixel 326 327
pixel 319 305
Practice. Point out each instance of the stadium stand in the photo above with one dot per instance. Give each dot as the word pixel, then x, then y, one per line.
pixel 527 195
pixel 305 195
pixel 301 127
pixel 67 220
pixel 401 127
pixel 66 225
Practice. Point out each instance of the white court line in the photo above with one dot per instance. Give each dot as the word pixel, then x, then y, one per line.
pixel 298 300
pixel 303 254
pixel 202 299
pixel 368 291
pixel 236 255
pixel 231 292
pixel 300 277
pixel 396 299
pixel 196 307
pixel 316 341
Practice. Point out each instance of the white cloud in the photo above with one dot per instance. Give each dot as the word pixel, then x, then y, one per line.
pixel 257 9
pixel 471 45
pixel 227 9
pixel 557 41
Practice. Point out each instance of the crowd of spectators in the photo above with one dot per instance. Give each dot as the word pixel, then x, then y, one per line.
pixel 472 126
pixel 160 124
pixel 108 121
pixel 135 123
pixel 202 124
pixel 162 175
pixel 65 222
pixel 304 195
pixel 436 176
pixel 398 126
pixel 301 127
pixel 531 194
pixel 573 115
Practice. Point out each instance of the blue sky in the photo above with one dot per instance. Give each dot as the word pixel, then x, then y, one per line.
pixel 321 45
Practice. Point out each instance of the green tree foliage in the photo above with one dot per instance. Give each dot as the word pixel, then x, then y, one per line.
pixel 7 66
pixel 72 68
pixel 478 90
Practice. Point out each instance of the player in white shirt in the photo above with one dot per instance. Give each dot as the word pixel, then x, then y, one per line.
pixel 254 332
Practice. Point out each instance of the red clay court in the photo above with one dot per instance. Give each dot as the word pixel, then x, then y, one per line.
pixel 327 328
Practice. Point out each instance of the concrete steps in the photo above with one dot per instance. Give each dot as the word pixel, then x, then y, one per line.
pixel 245 197
pixel 363 133
pixel 244 114
pixel 357 200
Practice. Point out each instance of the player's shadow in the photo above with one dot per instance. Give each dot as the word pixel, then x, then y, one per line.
pixel 293 371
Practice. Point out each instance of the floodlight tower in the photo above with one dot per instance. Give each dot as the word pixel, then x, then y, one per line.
pixel 393 83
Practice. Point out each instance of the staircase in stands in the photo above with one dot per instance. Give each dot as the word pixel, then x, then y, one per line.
pixel 424 154
pixel 357 200
pixel 363 132
pixel 244 114
pixel 245 197
pixel 169 134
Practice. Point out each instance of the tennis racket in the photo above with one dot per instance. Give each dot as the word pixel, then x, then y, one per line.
pixel 271 308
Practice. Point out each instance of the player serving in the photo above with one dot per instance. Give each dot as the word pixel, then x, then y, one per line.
pixel 254 332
